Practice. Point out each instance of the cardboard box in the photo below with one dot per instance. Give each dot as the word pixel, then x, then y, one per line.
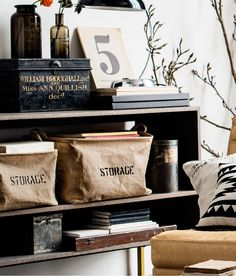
pixel 44 84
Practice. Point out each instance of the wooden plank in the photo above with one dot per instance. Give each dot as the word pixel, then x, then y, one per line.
pixel 106 241
pixel 65 207
pixel 90 113
pixel 24 259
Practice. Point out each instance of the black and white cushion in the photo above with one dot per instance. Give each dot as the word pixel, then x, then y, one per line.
pixel 214 180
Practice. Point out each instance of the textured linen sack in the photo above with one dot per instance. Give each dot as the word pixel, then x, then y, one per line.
pixel 99 169
pixel 232 138
pixel 27 180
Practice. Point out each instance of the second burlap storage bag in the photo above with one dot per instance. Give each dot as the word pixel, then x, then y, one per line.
pixel 27 180
pixel 99 169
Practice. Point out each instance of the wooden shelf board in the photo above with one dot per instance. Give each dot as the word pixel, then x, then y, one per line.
pixel 65 207
pixel 13 121
pixel 89 113
pixel 24 259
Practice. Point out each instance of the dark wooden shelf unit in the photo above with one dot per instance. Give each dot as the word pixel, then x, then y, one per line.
pixel 178 208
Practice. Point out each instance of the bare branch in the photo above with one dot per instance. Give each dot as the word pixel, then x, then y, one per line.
pixel 208 149
pixel 209 80
pixel 154 47
pixel 217 5
pixel 204 118
pixel 168 71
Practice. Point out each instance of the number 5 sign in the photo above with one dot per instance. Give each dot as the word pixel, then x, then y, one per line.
pixel 104 47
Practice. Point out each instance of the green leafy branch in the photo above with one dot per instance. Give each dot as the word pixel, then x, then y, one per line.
pixel 64 4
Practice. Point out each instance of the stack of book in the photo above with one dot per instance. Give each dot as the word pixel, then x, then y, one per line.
pixel 97 240
pixel 113 229
pixel 122 221
pixel 110 222
pixel 138 97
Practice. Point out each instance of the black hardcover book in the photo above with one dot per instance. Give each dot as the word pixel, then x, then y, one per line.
pixel 110 221
pixel 120 213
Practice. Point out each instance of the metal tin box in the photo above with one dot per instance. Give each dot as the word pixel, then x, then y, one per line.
pixel 47 233
pixel 44 84
pixel 30 235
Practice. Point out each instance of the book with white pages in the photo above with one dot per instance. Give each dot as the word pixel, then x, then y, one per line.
pixel 26 146
pixel 81 233
pixel 135 90
pixel 137 228
pixel 122 227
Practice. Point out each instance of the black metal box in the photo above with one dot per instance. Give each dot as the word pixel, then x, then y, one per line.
pixel 30 234
pixel 44 84
pixel 47 233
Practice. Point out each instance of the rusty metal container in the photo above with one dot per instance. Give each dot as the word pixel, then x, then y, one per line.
pixel 163 166
pixel 30 234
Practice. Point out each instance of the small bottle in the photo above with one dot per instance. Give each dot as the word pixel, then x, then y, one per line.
pixel 59 38
pixel 26 33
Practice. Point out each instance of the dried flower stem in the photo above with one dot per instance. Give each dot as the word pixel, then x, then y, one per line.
pixel 217 5
pixel 208 149
pixel 168 71
pixel 204 118
pixel 152 41
pixel 154 49
pixel 209 80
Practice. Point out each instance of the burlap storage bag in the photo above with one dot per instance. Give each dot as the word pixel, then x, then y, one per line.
pixel 99 169
pixel 232 138
pixel 27 180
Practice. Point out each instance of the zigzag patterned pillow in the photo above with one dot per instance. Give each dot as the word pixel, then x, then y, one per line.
pixel 214 180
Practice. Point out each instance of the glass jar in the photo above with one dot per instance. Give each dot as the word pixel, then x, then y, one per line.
pixel 59 38
pixel 26 33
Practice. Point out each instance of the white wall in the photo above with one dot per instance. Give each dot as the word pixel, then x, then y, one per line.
pixel 194 21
